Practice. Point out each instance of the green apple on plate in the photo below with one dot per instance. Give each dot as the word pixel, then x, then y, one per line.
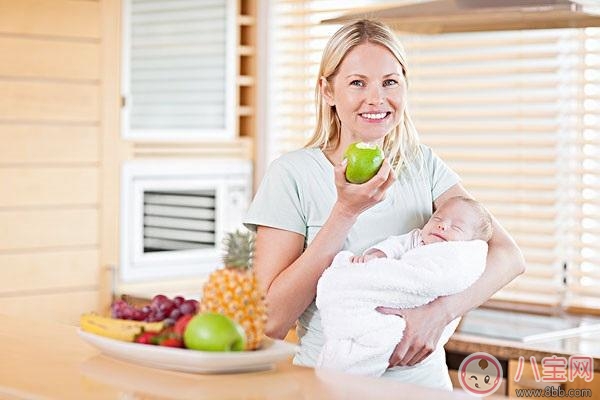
pixel 364 160
pixel 214 332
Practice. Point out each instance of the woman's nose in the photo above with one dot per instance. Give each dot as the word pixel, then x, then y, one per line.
pixel 375 95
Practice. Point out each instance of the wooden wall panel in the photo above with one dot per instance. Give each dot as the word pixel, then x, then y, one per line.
pixel 43 186
pixel 113 148
pixel 39 58
pixel 61 307
pixel 70 18
pixel 50 157
pixel 49 101
pixel 34 144
pixel 43 228
pixel 44 270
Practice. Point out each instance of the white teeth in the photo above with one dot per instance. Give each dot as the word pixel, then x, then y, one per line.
pixel 374 116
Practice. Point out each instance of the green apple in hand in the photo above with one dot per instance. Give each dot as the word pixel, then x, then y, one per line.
pixel 214 332
pixel 364 160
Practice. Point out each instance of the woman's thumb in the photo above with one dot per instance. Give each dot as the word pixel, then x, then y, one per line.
pixel 387 310
pixel 340 170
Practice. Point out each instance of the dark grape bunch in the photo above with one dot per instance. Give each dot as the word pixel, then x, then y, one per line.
pixel 161 308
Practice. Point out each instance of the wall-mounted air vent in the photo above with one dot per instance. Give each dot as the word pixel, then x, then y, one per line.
pixel 179 220
pixel 175 213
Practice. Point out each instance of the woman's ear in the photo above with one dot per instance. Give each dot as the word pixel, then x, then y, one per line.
pixel 326 91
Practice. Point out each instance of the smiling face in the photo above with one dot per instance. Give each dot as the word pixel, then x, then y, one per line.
pixel 454 220
pixel 368 92
pixel 480 374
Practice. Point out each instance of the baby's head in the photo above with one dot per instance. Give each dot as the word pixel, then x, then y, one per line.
pixel 459 218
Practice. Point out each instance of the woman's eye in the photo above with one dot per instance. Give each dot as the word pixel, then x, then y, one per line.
pixel 357 83
pixel 390 82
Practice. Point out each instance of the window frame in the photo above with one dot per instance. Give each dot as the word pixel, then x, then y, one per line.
pixel 228 132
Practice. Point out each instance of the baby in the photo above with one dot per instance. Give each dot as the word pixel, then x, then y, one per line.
pixel 444 257
pixel 458 219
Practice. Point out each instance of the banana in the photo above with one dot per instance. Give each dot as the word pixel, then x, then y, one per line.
pixel 120 329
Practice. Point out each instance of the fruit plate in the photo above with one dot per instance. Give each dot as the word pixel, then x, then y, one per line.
pixel 185 360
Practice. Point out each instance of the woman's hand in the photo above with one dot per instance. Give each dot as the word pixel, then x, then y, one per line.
pixel 424 327
pixel 353 199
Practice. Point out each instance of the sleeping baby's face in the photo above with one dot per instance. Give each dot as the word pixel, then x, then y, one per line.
pixel 454 220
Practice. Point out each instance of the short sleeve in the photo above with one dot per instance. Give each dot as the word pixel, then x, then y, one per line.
pixel 392 247
pixel 278 201
pixel 441 176
pixel 395 246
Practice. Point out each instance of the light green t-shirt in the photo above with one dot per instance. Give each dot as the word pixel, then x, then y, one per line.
pixel 298 192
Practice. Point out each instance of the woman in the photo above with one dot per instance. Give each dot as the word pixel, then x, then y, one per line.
pixel 305 211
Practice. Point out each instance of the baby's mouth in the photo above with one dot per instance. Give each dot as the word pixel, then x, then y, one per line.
pixel 437 235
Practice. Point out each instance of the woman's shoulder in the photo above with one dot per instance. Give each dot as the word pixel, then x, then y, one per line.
pixel 426 151
pixel 304 159
pixel 426 157
pixel 300 155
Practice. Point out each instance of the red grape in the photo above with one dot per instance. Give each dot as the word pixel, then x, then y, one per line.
pixel 161 308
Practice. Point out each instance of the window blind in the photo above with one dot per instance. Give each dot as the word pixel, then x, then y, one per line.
pixel 515 113
pixel 179 69
pixel 582 210
pixel 495 106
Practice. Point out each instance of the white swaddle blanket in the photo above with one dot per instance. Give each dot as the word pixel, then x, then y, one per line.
pixel 359 339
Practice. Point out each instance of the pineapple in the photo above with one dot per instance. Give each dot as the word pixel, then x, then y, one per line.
pixel 234 291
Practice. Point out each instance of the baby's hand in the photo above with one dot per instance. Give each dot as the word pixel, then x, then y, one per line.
pixel 362 259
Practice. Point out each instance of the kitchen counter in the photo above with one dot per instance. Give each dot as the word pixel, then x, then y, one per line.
pixel 510 335
pixel 48 360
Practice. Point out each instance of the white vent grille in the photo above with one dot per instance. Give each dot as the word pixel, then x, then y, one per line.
pixel 178 74
pixel 179 220
pixel 175 214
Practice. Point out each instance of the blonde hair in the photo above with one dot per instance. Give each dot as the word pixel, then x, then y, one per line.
pixel 401 145
pixel 484 230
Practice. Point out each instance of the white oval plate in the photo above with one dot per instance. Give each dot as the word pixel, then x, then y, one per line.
pixel 186 360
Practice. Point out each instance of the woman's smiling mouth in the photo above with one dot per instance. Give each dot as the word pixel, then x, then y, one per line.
pixel 378 116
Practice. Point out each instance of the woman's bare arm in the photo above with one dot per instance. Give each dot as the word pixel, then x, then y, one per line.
pixel 288 275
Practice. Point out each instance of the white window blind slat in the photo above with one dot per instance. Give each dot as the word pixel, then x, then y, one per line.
pixel 179 69
pixel 195 11
pixel 159 5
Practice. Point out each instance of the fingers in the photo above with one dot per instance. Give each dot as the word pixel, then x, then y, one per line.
pixel 360 259
pixel 395 357
pixel 399 354
pixel 408 356
pixel 340 172
pixel 382 176
pixel 391 178
pixel 418 357
pixel 382 180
